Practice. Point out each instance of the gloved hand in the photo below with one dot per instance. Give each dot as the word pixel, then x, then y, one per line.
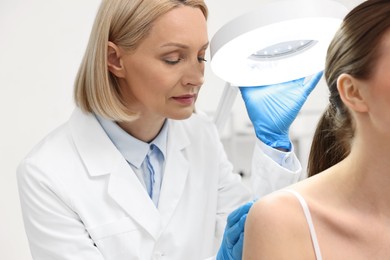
pixel 273 108
pixel 233 237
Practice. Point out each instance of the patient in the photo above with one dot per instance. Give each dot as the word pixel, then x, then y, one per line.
pixel 343 210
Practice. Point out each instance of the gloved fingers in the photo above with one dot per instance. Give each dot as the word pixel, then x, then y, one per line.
pixel 238 213
pixel 238 247
pixel 252 95
pixel 296 82
pixel 247 92
pixel 313 81
pixel 233 233
pixel 257 94
pixel 245 95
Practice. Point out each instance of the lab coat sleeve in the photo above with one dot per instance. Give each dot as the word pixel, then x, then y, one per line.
pixel 53 229
pixel 273 170
pixel 268 174
pixel 232 193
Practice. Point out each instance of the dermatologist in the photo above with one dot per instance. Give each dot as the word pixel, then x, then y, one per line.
pixel 135 173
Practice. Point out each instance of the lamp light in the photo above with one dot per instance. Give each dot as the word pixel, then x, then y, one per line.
pixel 278 42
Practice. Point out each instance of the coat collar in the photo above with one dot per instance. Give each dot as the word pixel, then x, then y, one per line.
pixel 93 144
pixel 101 157
pixel 176 170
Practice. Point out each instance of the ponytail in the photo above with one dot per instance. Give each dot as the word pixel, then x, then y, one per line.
pixel 331 141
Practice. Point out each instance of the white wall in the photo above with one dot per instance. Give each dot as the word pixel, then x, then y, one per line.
pixel 42 43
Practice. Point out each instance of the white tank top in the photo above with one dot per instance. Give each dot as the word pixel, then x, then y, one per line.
pixel 309 221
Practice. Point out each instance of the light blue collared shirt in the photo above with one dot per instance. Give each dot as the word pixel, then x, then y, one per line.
pixel 141 155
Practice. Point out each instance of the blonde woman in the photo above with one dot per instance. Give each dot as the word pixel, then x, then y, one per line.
pixel 134 173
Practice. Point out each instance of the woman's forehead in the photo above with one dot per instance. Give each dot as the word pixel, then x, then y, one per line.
pixel 181 23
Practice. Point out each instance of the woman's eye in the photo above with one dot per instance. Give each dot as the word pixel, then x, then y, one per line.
pixel 176 61
pixel 172 61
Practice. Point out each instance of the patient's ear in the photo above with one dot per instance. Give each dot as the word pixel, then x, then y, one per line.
pixel 351 93
pixel 114 60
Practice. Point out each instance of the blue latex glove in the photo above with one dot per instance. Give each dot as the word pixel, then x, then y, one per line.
pixel 233 237
pixel 273 108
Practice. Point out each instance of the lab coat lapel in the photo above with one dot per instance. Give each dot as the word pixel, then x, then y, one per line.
pixel 127 191
pixel 101 157
pixel 176 171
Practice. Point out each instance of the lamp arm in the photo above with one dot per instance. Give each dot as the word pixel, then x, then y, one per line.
pixel 225 106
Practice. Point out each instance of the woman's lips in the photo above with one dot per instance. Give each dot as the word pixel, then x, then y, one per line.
pixel 186 99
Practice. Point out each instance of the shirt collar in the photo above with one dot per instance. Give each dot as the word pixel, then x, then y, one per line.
pixel 133 149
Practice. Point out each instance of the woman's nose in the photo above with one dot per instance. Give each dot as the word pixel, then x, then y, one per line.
pixel 194 74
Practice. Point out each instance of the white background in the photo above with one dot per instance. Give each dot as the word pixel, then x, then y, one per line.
pixel 42 43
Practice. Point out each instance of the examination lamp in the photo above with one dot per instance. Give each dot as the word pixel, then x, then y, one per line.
pixel 278 42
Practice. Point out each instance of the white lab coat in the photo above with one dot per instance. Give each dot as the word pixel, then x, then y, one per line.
pixel 81 200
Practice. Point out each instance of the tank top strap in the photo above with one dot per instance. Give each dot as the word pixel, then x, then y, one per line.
pixel 309 221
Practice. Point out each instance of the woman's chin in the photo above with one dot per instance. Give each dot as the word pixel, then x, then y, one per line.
pixel 181 116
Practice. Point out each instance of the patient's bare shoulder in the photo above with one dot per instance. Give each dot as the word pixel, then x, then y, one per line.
pixel 276 227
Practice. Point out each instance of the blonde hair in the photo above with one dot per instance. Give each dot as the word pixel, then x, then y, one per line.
pixel 125 23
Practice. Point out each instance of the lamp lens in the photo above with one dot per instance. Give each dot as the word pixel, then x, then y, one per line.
pixel 283 49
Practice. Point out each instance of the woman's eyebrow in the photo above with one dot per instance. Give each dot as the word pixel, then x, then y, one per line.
pixel 182 46
pixel 175 44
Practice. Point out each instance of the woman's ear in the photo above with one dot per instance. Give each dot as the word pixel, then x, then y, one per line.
pixel 351 93
pixel 114 61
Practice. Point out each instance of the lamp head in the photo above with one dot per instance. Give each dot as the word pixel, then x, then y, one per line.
pixel 278 42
